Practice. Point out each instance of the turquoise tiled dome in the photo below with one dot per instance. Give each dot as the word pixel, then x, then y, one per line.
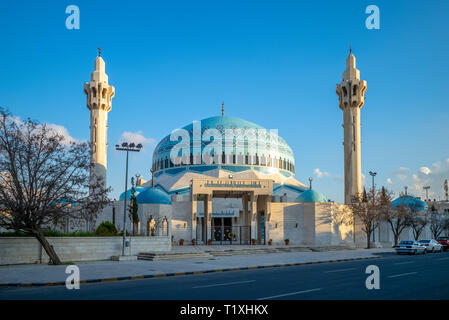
pixel 409 201
pixel 128 193
pixel 154 196
pixel 311 196
pixel 250 149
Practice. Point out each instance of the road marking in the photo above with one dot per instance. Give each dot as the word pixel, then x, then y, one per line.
pixel 405 262
pixel 223 284
pixel 339 270
pixel 402 274
pixel 289 294
pixel 443 258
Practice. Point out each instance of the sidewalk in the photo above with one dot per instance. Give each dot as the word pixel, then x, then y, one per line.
pixel 38 275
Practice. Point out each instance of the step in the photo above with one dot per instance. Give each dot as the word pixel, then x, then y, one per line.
pixel 154 256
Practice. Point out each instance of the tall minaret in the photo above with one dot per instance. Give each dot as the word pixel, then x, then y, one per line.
pixel 99 95
pixel 351 93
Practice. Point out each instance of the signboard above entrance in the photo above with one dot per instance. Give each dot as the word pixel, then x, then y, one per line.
pixel 208 186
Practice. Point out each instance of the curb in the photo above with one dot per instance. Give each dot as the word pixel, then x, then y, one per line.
pixel 161 275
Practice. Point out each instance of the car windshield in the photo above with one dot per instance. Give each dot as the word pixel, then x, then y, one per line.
pixel 424 241
pixel 406 242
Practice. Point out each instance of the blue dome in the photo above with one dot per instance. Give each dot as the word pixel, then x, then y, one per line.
pixel 247 150
pixel 153 195
pixel 311 196
pixel 410 202
pixel 128 193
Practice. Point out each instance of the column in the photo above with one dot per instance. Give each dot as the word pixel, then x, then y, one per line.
pixel 193 218
pixel 253 216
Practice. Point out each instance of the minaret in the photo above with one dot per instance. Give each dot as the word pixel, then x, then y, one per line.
pixel 351 93
pixel 99 95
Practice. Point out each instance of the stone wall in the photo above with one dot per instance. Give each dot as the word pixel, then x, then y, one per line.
pixel 20 250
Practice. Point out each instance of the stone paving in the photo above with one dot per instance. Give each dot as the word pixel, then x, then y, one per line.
pixel 111 269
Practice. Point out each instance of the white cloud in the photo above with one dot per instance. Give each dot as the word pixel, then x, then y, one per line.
pixel 389 181
pixel 426 170
pixel 136 137
pixel 320 173
pixel 401 172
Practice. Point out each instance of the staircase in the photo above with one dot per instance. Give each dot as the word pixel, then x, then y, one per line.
pixel 160 256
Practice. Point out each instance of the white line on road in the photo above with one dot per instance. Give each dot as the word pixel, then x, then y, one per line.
pixel 223 284
pixel 443 258
pixel 339 270
pixel 405 262
pixel 289 294
pixel 402 274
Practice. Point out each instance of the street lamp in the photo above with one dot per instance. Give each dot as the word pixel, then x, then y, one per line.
pixel 133 148
pixel 373 174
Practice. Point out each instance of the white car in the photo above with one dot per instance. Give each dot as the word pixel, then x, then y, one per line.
pixel 431 245
pixel 410 247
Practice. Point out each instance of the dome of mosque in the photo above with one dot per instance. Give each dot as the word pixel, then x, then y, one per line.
pixel 410 202
pixel 311 195
pixel 223 140
pixel 153 195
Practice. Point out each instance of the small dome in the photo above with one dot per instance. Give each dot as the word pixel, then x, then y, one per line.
pixel 311 196
pixel 409 201
pixel 153 195
pixel 128 193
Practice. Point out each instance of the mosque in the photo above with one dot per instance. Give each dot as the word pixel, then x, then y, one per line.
pixel 226 180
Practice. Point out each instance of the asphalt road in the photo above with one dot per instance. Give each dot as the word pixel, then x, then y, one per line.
pixel 401 277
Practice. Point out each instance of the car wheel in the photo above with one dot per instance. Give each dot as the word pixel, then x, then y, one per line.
pixel 433 250
pixel 425 251
pixel 414 251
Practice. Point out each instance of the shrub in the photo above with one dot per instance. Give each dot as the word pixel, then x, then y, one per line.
pixel 106 229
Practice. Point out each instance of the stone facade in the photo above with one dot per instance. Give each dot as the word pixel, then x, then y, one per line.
pixel 20 250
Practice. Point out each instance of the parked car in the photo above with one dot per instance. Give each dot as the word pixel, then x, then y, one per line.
pixel 410 247
pixel 444 241
pixel 431 245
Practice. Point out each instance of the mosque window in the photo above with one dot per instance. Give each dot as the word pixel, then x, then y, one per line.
pixel 257 159
pixel 191 158
pixel 94 92
pixel 223 157
pixel 354 91
pixel 246 159
pixel 233 158
pixel 345 93
pixel 166 162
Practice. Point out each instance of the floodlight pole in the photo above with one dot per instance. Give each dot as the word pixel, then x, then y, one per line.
pixel 373 174
pixel 126 147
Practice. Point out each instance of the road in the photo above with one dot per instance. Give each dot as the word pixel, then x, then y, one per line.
pixel 401 277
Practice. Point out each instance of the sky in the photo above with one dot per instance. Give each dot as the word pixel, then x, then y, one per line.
pixel 274 63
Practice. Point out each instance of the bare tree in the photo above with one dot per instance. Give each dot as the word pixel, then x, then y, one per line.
pixel 43 178
pixel 417 221
pixel 397 218
pixel 438 222
pixel 366 209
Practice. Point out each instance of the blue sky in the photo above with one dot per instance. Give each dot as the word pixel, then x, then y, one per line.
pixel 275 63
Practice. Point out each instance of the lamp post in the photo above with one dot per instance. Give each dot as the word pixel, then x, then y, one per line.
pixel 133 148
pixel 373 174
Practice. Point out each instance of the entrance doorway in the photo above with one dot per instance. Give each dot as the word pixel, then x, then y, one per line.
pixel 222 229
